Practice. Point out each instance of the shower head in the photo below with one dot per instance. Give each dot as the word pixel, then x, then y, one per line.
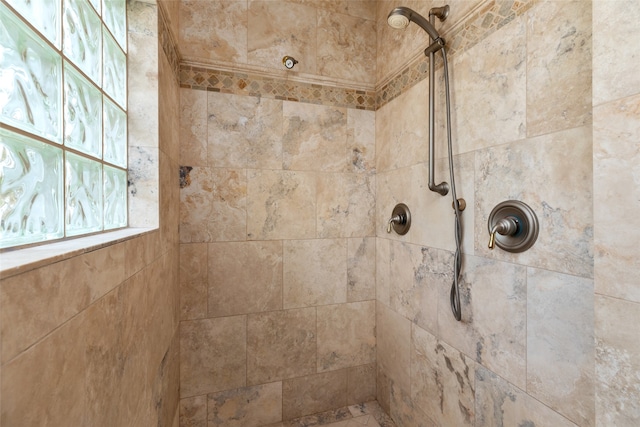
pixel 400 16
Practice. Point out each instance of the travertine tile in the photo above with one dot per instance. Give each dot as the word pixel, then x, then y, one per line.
pixel 246 407
pixel 616 154
pixel 281 344
pixel 361 384
pixel 558 66
pixel 194 280
pixel 50 373
pixel 281 205
pixel 346 335
pixel 615 54
pixel 36 302
pixel 314 393
pixel 560 343
pixel 417 273
pixel 193 128
pixel 361 140
pixel 383 271
pixel 345 205
pixel 213 30
pixel 442 380
pixel 346 47
pixel 361 269
pixel 212 355
pixel 498 342
pixel 499 402
pixel 393 333
pixel 193 411
pixel 244 131
pixel 244 277
pixel 405 412
pixel 315 272
pixel 214 206
pixel 278 28
pixel 315 137
pixel 617 364
pixel 495 67
pixel 402 129
pixel 564 209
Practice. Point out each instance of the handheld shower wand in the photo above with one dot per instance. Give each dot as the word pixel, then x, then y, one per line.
pixel 400 17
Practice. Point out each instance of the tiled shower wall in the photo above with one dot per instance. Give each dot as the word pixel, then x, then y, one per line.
pixel 277 258
pixel 521 120
pixel 522 129
pixel 92 339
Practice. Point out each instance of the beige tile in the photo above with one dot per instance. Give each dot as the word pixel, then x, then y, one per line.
pixel 213 30
pixel 35 303
pixel 244 277
pixel 497 342
pixel 417 273
pixel 560 343
pixel 281 344
pixel 213 207
pixel 563 206
pixel 393 333
pixel 50 373
pixel 442 380
pixel 244 131
pixel 361 269
pixel 558 66
pixel 499 402
pixel 246 407
pixel 615 50
pixel 315 272
pixel 279 28
pixel 361 140
pixel 142 186
pixel 346 47
pixel 314 393
pixel 315 137
pixel 345 205
pixel 193 411
pixel 383 271
pixel 212 355
pixel 281 205
pixel 361 384
pixel 405 412
pixel 346 335
pixel 491 79
pixel 193 128
pixel 383 389
pixel 616 156
pixel 617 364
pixel 194 280
pixel 402 129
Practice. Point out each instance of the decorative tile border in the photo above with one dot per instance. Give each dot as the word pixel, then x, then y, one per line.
pixel 239 83
pixel 481 23
pixel 168 42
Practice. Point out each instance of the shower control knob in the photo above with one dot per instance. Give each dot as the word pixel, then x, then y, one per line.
pixel 400 220
pixel 513 226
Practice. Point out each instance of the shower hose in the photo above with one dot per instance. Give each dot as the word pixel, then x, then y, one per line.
pixel 454 296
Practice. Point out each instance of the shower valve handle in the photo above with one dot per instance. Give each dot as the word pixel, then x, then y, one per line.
pixel 506 226
pixel 397 219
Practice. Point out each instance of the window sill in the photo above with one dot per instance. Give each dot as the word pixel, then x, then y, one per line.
pixel 23 260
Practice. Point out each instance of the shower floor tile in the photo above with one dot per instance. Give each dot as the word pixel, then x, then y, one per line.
pixel 368 414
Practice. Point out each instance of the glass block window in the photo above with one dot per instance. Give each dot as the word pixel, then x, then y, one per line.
pixel 63 116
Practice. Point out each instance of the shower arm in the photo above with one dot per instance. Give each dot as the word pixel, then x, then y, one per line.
pixel 437 44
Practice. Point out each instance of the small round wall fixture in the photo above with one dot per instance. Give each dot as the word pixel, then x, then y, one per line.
pixel 289 61
pixel 513 226
pixel 400 220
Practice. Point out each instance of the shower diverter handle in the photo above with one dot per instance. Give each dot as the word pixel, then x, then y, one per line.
pixel 506 226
